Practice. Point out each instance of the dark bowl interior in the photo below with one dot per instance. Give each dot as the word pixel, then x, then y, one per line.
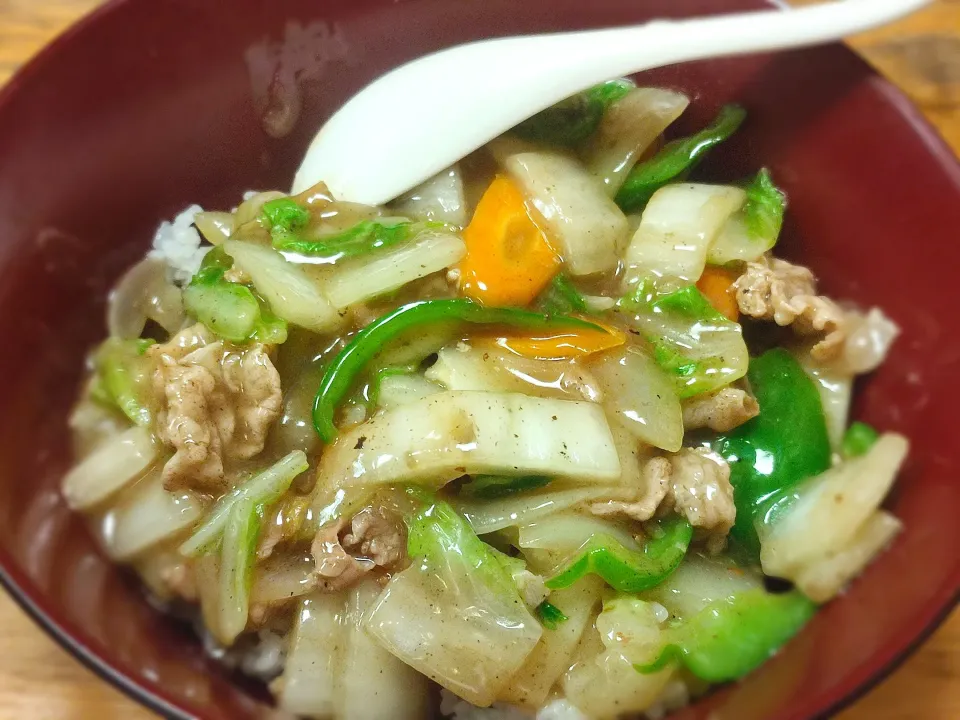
pixel 150 105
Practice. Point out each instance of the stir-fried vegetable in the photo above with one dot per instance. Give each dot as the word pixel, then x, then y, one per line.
pixel 240 534
pixel 397 388
pixel 626 570
pixel 561 297
pixel 835 386
pixel 550 615
pixel 567 532
pixel 858 440
pixel 263 489
pixel 363 238
pixel 826 577
pixel 439 199
pixel 562 345
pixel 144 293
pixel 523 508
pixel 630 127
pixel 114 464
pixel 676 231
pixel 755 228
pixel 675 158
pixel 483 366
pixel 732 637
pixel 822 515
pixel 146 515
pixel 575 119
pixel 474 433
pixel 231 310
pixel 459 601
pixel 701 581
pixel 716 284
pixel 398 692
pixel 124 378
pixel 509 259
pixel 762 464
pixel 531 684
pixel 604 682
pixel 291 294
pixel 642 396
pixel 487 487
pixel 288 220
pixel 343 371
pixel 582 222
pixel 693 343
pixel 312 670
pixel 363 279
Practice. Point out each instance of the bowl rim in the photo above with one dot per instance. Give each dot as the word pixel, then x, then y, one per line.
pixel 139 691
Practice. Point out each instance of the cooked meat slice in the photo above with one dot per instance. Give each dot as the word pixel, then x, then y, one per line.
pixel 187 424
pixel 181 580
pixel 654 485
pixel 774 289
pixel 768 287
pixel 720 411
pixel 700 489
pixel 868 341
pixel 376 539
pixel 254 385
pixel 336 568
pixel 693 482
pixel 215 402
pixel 377 534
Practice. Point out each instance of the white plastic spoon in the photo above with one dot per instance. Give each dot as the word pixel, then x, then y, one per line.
pixel 423 116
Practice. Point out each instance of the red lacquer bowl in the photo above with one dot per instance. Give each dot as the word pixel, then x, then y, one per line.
pixel 150 105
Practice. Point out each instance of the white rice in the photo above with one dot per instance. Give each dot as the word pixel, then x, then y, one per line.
pixel 674 696
pixel 453 707
pixel 177 243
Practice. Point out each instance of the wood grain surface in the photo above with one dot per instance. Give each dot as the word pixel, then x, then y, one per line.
pixel 39 681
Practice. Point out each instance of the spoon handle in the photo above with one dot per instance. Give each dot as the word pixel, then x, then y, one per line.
pixel 621 51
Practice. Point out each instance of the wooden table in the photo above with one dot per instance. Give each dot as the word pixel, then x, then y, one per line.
pixel 39 681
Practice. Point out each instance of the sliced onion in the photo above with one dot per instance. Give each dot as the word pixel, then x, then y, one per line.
pixel 678 226
pixel 628 128
pixel 214 226
pixel 439 199
pixel 145 515
pixel 642 397
pixel 831 509
pixel 115 463
pixel 144 293
pixel 366 277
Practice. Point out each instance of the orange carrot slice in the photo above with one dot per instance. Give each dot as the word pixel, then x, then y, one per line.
pixel 509 259
pixel 716 284
pixel 560 345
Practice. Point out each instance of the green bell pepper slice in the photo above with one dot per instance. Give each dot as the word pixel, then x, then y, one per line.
pixel 858 439
pixel 731 637
pixel 550 616
pixel 343 371
pixel 561 296
pixel 777 450
pixel 624 569
pixel 676 158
